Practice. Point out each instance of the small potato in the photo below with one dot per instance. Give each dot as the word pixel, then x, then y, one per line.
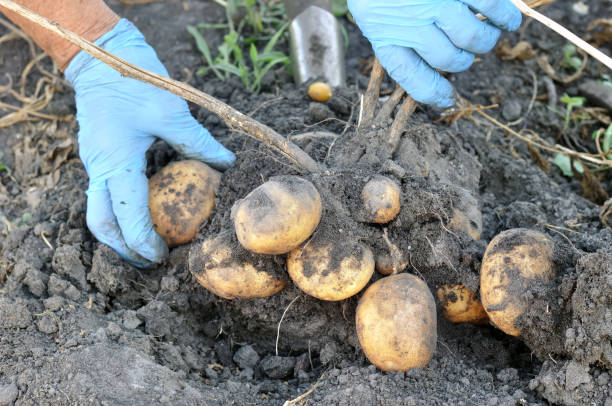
pixel 516 261
pixel 466 215
pixel 220 266
pixel 381 200
pixel 461 305
pixel 331 271
pixel 384 264
pixel 396 323
pixel 181 197
pixel 320 92
pixel 277 216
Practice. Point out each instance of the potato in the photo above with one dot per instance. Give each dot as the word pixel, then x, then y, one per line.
pixel 181 197
pixel 229 271
pixel 466 215
pixel 384 264
pixel 461 305
pixel 515 262
pixel 396 323
pixel 381 200
pixel 331 270
pixel 320 92
pixel 277 216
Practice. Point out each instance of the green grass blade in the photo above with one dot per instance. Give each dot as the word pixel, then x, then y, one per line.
pixel 202 46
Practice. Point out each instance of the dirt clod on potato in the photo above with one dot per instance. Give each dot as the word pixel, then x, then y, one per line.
pixel 461 305
pixel 181 197
pixel 277 216
pixel 219 265
pixel 515 262
pixel 396 323
pixel 381 200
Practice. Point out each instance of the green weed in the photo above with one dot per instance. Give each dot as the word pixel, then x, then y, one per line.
pixel 262 22
pixel 570 58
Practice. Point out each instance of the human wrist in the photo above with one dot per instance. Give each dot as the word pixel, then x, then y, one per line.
pixel 64 51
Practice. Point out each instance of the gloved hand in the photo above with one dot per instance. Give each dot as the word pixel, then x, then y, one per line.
pixel 412 38
pixel 119 119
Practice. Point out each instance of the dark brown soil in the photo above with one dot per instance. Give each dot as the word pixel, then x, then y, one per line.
pixel 78 325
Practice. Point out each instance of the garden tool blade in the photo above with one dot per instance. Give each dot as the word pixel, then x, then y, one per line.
pixel 317 49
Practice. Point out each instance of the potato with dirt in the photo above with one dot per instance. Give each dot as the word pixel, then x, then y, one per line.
pixel 461 305
pixel 516 262
pixel 181 198
pixel 381 200
pixel 331 270
pixel 222 266
pixel 396 323
pixel 277 216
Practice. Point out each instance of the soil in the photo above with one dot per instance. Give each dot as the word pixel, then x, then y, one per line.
pixel 78 325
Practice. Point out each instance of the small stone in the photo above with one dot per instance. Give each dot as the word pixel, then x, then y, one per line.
pixel 511 110
pixel 54 303
pixel 47 325
pixel 100 335
pixel 597 93
pixel 246 357
pixel 277 367
pixel 211 373
pixel 8 394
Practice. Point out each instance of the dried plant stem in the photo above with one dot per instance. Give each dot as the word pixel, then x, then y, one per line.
pixel 564 32
pixel 231 116
pixel 372 92
pixel 401 118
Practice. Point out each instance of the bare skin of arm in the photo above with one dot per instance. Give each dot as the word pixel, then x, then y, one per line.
pixel 88 18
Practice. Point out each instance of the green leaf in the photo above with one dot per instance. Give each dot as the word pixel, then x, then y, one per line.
pixel 564 163
pixel 572 101
pixel 202 46
pixel 339 8
pixel 272 43
pixel 226 67
pixel 253 55
pixel 607 141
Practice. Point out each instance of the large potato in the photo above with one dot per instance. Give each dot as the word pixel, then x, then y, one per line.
pixel 381 200
pixel 396 323
pixel 331 270
pixel 181 197
pixel 229 271
pixel 277 216
pixel 516 261
pixel 461 305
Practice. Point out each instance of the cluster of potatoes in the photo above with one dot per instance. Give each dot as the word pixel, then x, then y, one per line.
pixel 396 315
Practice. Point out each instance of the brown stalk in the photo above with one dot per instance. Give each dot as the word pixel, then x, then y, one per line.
pixel 231 116
pixel 370 100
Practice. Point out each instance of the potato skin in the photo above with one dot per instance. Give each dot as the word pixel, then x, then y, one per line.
pixel 396 323
pixel 461 305
pixel 277 216
pixel 381 200
pixel 384 264
pixel 470 222
pixel 313 268
pixel 214 266
pixel 514 261
pixel 181 197
pixel 320 91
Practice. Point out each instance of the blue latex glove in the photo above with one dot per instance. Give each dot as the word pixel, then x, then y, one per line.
pixel 412 37
pixel 119 119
